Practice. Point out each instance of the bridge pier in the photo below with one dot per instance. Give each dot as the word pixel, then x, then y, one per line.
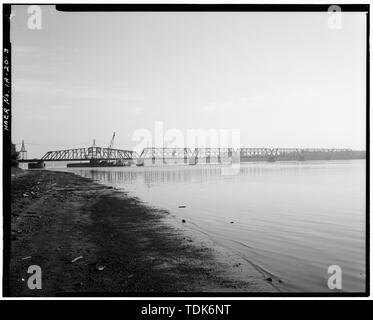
pixel 193 160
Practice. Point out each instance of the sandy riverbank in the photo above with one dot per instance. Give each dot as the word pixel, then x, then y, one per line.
pixel 124 247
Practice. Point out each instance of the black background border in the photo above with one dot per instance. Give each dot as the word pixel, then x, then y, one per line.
pixel 183 8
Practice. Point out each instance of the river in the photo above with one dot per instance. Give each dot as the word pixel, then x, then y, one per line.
pixel 292 219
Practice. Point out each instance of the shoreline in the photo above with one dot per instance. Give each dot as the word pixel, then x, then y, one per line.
pixel 91 239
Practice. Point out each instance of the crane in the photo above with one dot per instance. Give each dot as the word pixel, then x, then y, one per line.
pixel 112 142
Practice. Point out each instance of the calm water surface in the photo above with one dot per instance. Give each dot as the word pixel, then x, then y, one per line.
pixel 292 219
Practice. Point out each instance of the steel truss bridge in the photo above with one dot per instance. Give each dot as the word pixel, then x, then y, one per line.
pixel 166 153
pixel 91 153
pixel 197 155
pixel 291 154
pixel 209 155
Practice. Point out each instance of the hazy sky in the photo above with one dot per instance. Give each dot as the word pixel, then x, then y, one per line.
pixel 282 79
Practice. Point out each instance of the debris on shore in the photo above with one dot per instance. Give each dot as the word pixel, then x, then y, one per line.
pixel 100 267
pixel 76 259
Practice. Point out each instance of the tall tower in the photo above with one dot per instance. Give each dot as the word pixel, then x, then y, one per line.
pixel 23 152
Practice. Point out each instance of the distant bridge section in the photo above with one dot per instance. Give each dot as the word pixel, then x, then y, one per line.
pixel 212 155
pixel 222 155
pixel 280 154
pixel 255 154
pixel 165 156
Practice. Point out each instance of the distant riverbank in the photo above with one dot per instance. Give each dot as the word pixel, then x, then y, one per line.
pixel 92 239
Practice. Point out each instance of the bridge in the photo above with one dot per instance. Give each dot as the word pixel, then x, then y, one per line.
pixel 295 154
pixel 84 154
pixel 222 155
pixel 97 155
pixel 166 155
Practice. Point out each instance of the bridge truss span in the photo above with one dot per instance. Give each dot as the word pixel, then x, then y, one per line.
pixel 166 153
pixel 91 153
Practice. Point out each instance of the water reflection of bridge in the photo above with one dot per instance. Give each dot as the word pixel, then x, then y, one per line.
pixel 151 176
